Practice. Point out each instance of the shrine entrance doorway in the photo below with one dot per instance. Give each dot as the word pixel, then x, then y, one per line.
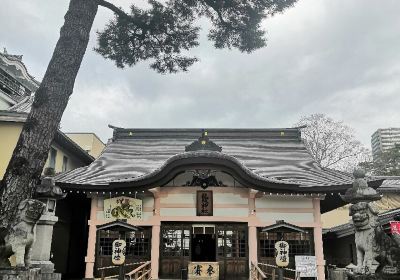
pixel 178 243
pixel 233 251
pixel 204 246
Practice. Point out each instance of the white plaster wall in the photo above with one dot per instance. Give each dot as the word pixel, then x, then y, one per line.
pixel 148 202
pixel 229 198
pixel 184 212
pixel 283 202
pixel 179 198
pixel 287 217
pixel 231 212
pixel 147 215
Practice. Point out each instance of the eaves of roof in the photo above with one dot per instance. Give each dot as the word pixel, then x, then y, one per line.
pixel 390 185
pixel 282 225
pixel 74 148
pixel 7 97
pixel 14 66
pixel 340 231
pixel 9 116
pixel 272 156
pixel 196 160
pixel 119 226
pixel 348 228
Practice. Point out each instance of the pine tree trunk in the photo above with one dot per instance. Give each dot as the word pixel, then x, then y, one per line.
pixel 29 157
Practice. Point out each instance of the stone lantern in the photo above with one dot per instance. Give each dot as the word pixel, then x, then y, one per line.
pixel 48 193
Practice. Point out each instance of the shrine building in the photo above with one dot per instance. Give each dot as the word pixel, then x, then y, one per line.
pixel 219 195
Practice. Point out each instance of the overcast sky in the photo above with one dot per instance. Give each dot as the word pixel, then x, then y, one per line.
pixel 340 58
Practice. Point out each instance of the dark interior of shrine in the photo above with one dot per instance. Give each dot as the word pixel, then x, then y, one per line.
pixel 204 248
pixel 70 235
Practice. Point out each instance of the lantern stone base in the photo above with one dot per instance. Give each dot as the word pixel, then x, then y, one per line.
pixel 46 270
pixel 50 276
pixel 16 273
pixel 45 266
pixel 33 273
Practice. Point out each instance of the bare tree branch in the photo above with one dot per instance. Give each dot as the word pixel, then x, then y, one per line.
pixel 331 143
pixel 341 158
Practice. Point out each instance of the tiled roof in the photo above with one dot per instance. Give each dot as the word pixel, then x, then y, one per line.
pixel 274 155
pixel 13 65
pixel 390 184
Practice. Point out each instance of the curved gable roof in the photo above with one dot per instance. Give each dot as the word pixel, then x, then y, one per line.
pixel 14 66
pixel 270 158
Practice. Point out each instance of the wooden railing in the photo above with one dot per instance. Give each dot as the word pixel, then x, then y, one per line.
pixel 271 272
pixel 103 270
pixel 256 273
pixel 142 272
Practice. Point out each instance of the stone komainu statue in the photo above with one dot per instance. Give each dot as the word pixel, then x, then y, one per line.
pixel 368 248
pixel 20 238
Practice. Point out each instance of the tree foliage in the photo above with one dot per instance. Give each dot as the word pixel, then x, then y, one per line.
pixel 164 31
pixel 386 163
pixel 332 143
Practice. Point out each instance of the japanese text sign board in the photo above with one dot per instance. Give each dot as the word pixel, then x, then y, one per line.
pixel 123 208
pixel 204 203
pixel 306 265
pixel 282 253
pixel 394 227
pixel 203 270
pixel 118 252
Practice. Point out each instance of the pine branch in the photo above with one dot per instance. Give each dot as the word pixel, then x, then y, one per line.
pixel 115 9
pixel 213 5
pixel 218 10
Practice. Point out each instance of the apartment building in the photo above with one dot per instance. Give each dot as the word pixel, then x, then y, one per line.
pixel 384 139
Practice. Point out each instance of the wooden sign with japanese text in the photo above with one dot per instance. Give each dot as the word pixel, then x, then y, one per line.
pixel 282 253
pixel 123 208
pixel 204 203
pixel 203 270
pixel 306 265
pixel 118 252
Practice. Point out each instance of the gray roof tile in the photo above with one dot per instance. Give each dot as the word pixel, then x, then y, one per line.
pixel 274 154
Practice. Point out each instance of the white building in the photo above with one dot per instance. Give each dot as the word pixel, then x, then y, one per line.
pixel 384 139
pixel 15 81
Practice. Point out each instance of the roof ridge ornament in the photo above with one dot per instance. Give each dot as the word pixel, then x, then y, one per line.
pixel 203 144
